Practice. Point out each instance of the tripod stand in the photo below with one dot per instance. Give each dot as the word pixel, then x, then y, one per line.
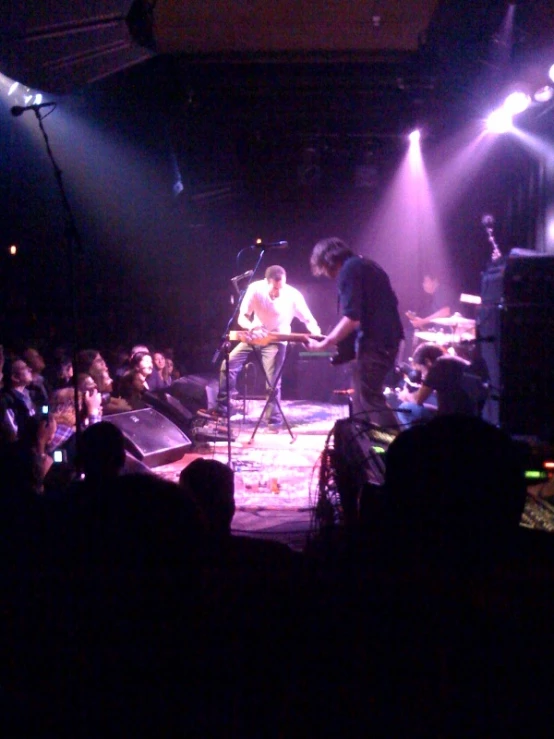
pixel 272 396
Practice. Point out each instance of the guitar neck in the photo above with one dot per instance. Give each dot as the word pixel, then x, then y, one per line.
pixel 270 337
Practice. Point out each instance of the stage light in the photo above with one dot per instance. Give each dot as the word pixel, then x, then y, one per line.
pixel 13 250
pixel 415 136
pixel 13 88
pixel 551 73
pixel 38 99
pixel 516 102
pixel 499 121
pixel 544 94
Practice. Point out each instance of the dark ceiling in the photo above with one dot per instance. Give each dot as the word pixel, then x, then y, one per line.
pixel 374 70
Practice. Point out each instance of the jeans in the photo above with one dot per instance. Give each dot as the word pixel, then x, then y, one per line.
pixel 272 358
pixel 412 413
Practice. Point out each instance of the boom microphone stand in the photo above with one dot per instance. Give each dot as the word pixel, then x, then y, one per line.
pixel 74 246
pixel 223 350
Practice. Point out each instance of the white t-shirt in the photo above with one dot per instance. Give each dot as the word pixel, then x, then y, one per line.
pixel 276 314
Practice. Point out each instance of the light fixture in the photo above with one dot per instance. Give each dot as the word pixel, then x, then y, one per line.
pixel 543 94
pixel 499 121
pixel 415 136
pixel 551 73
pixel 516 102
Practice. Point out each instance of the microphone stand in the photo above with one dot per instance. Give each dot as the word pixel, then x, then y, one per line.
pixel 224 349
pixel 74 245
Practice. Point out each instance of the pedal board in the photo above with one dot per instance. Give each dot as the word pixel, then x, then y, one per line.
pixel 204 429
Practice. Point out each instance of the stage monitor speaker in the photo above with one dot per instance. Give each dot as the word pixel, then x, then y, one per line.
pixel 195 392
pixel 170 407
pixel 150 437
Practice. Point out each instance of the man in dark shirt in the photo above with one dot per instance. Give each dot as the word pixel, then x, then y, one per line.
pixel 437 302
pixel 457 386
pixel 370 315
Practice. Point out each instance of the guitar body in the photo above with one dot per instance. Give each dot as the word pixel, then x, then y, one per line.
pixel 346 350
pixel 270 338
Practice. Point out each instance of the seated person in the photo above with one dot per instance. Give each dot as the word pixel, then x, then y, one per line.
pixel 38 388
pixel 437 301
pixel 62 374
pixel 17 403
pixel 134 382
pixel 123 364
pixel 159 378
pixel 457 388
pixel 62 411
pixel 91 362
pixel 29 460
pixel 211 484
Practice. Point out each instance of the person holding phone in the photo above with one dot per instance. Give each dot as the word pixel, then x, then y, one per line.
pixel 62 413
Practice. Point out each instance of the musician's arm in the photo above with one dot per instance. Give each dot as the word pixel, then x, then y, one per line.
pixel 422 394
pixel 245 321
pixel 343 328
pixel 419 322
pixel 304 314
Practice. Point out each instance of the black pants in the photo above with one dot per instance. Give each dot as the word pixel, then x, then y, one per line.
pixel 369 372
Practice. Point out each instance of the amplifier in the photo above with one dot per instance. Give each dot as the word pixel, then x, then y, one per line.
pixel 524 278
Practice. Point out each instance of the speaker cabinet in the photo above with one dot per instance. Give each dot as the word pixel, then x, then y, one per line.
pixel 317 379
pixel 195 392
pixel 517 346
pixel 150 437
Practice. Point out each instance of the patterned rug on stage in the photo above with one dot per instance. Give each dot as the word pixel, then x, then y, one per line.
pixel 272 471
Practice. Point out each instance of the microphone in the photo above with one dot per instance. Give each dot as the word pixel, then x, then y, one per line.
pixel 18 110
pixel 270 244
pixel 243 276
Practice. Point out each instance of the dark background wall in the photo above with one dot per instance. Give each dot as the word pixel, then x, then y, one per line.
pixel 260 148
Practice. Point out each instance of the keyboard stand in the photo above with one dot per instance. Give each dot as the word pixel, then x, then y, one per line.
pixel 271 396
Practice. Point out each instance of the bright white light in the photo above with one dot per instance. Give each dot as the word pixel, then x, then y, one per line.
pixel 499 121
pixel 27 99
pixel 13 88
pixel 38 99
pixel 516 102
pixel 415 136
pixel 551 73
pixel 544 94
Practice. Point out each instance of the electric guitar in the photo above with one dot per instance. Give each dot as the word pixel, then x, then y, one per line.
pixel 346 350
pixel 248 337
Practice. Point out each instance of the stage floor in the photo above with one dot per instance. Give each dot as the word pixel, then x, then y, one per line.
pixel 276 476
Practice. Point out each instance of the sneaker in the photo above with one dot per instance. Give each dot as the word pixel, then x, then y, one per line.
pixel 209 414
pixel 221 408
pixel 274 428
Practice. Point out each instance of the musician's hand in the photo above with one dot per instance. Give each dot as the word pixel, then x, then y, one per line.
pixel 405 396
pixel 258 332
pixel 416 321
pixel 313 345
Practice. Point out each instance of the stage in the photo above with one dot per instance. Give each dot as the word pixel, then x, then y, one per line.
pixel 276 477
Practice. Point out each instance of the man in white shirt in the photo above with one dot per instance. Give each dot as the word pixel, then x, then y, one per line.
pixel 268 307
